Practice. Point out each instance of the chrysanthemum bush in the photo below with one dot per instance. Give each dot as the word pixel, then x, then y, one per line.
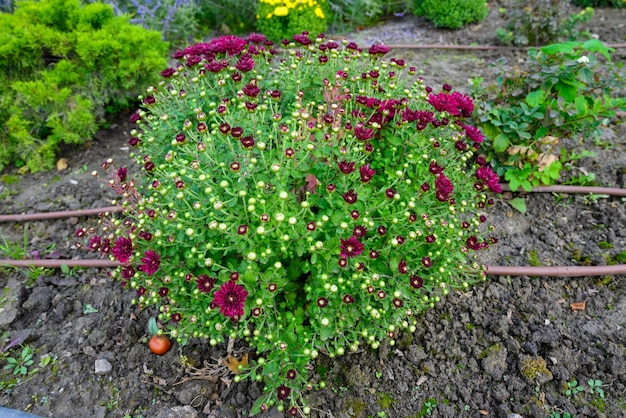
pixel 309 201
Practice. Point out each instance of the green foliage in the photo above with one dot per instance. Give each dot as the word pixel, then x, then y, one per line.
pixel 452 14
pixel 62 67
pixel 297 204
pixel 354 14
pixel 278 19
pixel 541 22
pixel 600 3
pixel 565 91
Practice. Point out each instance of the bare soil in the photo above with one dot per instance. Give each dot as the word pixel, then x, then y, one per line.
pixel 470 357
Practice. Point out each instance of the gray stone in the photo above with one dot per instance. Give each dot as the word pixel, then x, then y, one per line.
pixel 178 412
pixel 494 362
pixel 514 416
pixel 40 299
pixel 10 301
pixel 102 366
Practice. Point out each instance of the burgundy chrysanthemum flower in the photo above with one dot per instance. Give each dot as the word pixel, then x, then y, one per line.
pixel 430 239
pixel 464 104
pixel 435 168
pixel 134 141
pixel 251 90
pixel 346 167
pixel 134 118
pixel 351 247
pixel 374 254
pixel 382 230
pixel 474 134
pixel 473 243
pixel 322 302
pixel 390 193
pixel 427 262
pixel 231 297
pixel 398 303
pixel 489 178
pixel 444 102
pixel 247 142
pixel 122 249
pixel 378 49
pixel 150 262
pixel 205 283
pixel 168 72
pixel 350 197
pixel 215 66
pixel 283 392
pixel 348 299
pixel 444 188
pixel 359 231
pixel 416 282
pixel 302 38
pixel 381 294
pixel 342 262
pixel 355 214
pixel 366 173
pixel 233 45
pixel 362 133
pixel 402 267
pixel 163 291
pixel 245 63
pixel 127 272
pixel 256 38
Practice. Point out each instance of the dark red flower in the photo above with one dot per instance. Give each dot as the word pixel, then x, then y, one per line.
pixel 366 173
pixel 134 141
pixel 150 262
pixel 381 230
pixel 122 249
pixel 362 133
pixel 168 72
pixel 247 142
pixel 402 267
pixel 350 197
pixel 390 193
pixel 283 392
pixel 444 102
pixel 302 38
pixel 398 303
pixel 378 49
pixel 245 63
pixel 205 283
pixel 489 178
pixel 374 254
pixel 416 282
pixel 464 104
pixel 444 188
pixel 251 90
pixel 351 247
pixel 163 291
pixel 127 272
pixel 242 229
pixel 231 297
pixel 359 231
pixel 322 302
pixel 474 134
pixel 426 262
pixel 348 299
pixel 473 243
pixel 435 168
pixel 346 167
pixel 381 294
pixel 232 45
pixel 343 262
pixel 430 239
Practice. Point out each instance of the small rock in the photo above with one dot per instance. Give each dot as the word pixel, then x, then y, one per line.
pixel 178 412
pixel 90 351
pixel 40 299
pixel 495 361
pixel 514 416
pixel 9 305
pixel 102 366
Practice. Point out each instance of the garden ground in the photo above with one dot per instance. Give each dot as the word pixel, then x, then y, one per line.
pixel 477 353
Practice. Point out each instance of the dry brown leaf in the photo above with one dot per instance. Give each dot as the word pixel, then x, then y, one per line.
pixel 545 160
pixel 483 412
pixel 62 164
pixel 233 364
pixel 579 306
pixel 549 140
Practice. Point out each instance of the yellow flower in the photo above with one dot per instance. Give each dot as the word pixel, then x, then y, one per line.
pixel 281 11
pixel 319 13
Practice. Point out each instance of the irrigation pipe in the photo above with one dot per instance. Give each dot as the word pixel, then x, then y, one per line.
pixel 611 191
pixel 61 214
pixel 557 271
pixel 477 47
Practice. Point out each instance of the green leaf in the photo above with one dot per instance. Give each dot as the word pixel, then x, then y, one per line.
pixel 256 407
pixel 581 105
pixel 88 309
pixel 535 98
pixel 501 143
pixel 594 45
pixel 566 91
pixel 65 268
pixel 152 326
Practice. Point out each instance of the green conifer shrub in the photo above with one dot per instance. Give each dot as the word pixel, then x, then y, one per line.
pixel 64 66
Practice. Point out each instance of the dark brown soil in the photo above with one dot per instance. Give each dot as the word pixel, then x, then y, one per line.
pixel 468 357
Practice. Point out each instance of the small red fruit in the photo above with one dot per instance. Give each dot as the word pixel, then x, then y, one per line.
pixel 159 344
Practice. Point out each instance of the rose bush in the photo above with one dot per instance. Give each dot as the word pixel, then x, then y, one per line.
pixel 310 201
